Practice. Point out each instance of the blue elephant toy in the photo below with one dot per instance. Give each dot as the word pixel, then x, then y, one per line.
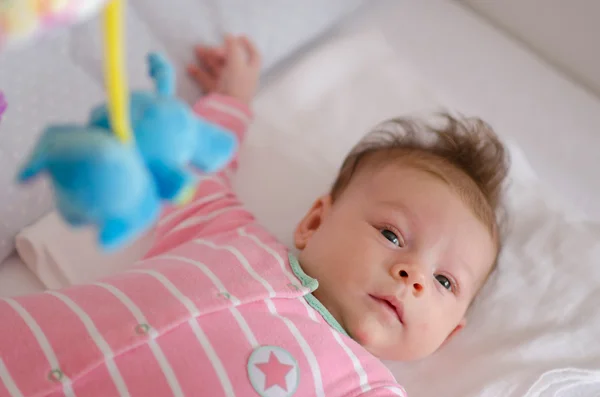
pixel 97 180
pixel 120 188
pixel 170 136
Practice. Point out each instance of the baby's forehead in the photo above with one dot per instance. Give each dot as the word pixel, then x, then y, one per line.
pixel 381 177
pixel 411 189
pixel 388 170
pixel 386 163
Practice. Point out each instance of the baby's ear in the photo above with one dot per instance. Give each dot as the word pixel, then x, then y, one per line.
pixel 311 222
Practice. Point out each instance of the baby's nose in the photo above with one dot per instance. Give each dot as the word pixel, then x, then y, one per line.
pixel 412 276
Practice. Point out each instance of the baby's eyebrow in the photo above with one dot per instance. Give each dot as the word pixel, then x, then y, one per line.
pixel 406 212
pixel 466 269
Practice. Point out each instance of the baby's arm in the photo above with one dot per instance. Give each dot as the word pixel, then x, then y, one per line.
pixel 229 76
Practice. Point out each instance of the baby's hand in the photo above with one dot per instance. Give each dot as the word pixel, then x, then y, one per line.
pixel 232 69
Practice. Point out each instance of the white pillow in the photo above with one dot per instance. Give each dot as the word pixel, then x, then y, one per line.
pixel 534 329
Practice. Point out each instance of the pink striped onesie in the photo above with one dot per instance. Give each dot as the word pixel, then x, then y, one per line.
pixel 218 307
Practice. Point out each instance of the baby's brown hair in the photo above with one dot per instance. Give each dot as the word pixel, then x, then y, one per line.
pixel 464 152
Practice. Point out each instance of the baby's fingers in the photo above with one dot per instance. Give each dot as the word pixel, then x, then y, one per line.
pixel 211 58
pixel 205 80
pixel 251 51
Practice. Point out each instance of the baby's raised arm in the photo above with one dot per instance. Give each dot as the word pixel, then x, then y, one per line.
pixel 229 76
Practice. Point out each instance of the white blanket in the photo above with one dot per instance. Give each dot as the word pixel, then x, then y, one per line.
pixel 61 256
pixel 534 330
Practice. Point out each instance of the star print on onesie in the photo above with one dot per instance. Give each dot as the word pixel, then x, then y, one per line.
pixel 273 372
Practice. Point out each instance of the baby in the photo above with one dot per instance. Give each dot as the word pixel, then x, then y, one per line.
pixel 389 261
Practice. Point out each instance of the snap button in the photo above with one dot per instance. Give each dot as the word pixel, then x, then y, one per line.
pixel 55 375
pixel 142 329
pixel 225 295
pixel 293 287
pixel 273 372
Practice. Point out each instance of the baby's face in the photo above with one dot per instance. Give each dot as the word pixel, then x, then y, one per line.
pixel 399 257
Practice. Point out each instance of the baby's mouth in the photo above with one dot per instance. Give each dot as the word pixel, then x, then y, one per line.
pixel 391 304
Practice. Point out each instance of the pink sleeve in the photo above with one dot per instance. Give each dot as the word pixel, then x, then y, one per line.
pixel 215 208
pixel 228 113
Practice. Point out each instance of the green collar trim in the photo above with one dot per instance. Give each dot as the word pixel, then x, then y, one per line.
pixel 313 284
pixel 306 280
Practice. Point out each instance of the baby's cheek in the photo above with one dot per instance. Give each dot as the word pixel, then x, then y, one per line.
pixel 428 334
pixel 367 330
pixel 427 337
pixel 423 328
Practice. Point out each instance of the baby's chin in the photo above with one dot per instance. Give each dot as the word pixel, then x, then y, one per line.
pixel 382 342
pixel 371 334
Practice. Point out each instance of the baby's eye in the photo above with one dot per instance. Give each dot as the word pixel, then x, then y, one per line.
pixel 446 283
pixel 391 236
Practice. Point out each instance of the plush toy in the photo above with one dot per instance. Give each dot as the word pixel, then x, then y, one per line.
pixel 96 180
pixel 169 135
pixel 115 172
pixel 117 187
